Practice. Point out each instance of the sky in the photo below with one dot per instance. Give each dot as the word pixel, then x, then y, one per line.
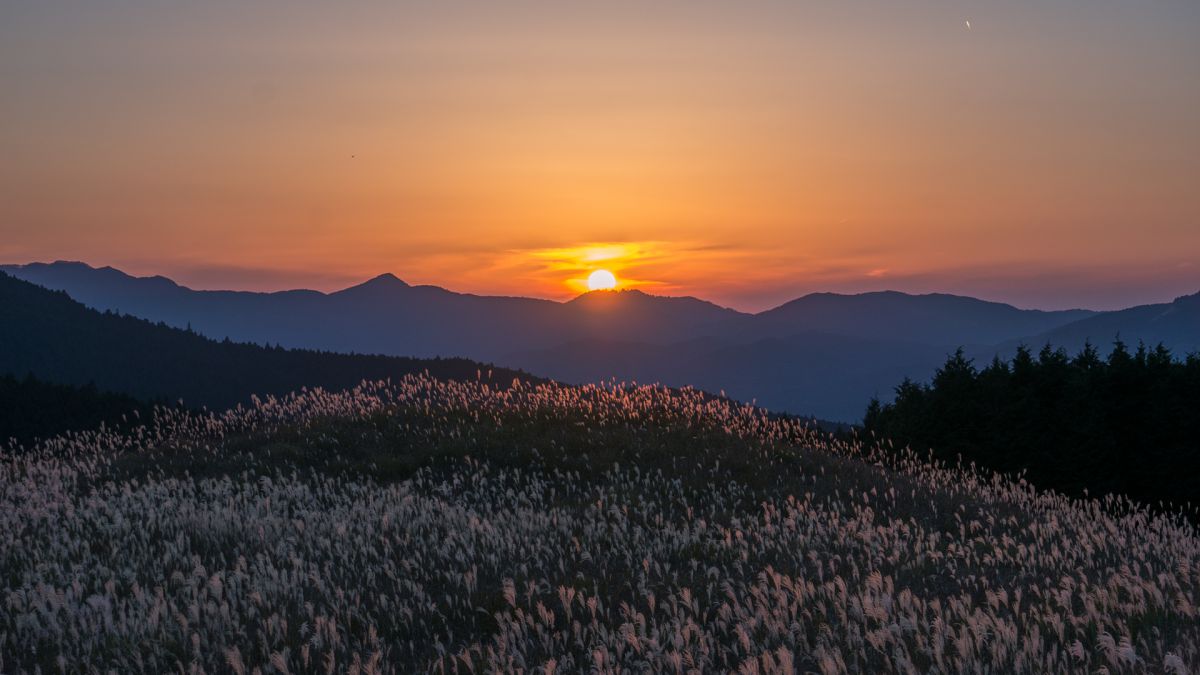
pixel 1041 153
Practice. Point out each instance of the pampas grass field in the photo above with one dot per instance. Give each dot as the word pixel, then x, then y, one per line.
pixel 464 527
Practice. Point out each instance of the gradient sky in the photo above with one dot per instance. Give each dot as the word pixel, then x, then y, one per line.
pixel 746 152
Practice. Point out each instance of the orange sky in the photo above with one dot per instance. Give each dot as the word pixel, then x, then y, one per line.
pixel 744 152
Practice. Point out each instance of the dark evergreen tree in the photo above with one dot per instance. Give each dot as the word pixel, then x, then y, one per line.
pixel 1128 424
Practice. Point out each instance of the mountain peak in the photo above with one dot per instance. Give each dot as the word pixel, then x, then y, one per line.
pixel 382 284
pixel 63 273
pixel 386 278
pixel 64 264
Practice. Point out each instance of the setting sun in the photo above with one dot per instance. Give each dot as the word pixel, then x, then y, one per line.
pixel 601 280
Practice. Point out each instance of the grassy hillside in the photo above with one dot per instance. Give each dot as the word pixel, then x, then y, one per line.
pixel 456 527
pixel 59 340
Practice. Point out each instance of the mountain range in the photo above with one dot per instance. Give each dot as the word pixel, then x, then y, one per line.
pixel 823 354
pixel 48 335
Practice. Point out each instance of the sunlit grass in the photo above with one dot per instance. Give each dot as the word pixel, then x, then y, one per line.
pixel 466 527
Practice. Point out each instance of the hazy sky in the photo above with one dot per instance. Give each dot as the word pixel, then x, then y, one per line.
pixel 1048 154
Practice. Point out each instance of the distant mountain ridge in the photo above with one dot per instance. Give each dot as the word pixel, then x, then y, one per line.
pixel 932 318
pixel 382 315
pixel 1175 324
pixel 288 317
pixel 47 334
pixel 788 357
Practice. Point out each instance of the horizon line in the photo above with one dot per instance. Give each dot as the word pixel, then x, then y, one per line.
pixel 386 274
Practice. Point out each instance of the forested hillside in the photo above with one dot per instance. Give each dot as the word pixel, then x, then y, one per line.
pixel 32 409
pixel 48 334
pixel 1126 424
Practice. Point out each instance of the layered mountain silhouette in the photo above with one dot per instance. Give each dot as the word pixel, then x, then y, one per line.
pixel 48 335
pixel 823 354
pixel 383 315
pixel 1175 325
pixel 935 318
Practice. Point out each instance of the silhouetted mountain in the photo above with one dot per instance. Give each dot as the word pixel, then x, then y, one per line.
pixel 386 315
pixel 634 315
pixel 775 356
pixel 383 315
pixel 936 318
pixel 57 339
pixel 1176 325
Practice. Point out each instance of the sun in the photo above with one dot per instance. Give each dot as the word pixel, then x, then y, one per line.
pixel 601 280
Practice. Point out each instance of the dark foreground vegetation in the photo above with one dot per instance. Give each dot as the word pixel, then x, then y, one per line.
pixel 32 409
pixel 1126 424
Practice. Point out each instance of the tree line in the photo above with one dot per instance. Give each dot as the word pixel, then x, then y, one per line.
pixel 31 409
pixel 1127 424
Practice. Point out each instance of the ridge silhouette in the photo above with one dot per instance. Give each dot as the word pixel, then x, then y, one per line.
pixel 822 354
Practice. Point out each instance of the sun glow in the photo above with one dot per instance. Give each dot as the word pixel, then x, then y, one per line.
pixel 623 265
pixel 601 280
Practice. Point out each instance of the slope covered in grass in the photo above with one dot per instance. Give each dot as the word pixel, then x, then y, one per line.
pixel 455 527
